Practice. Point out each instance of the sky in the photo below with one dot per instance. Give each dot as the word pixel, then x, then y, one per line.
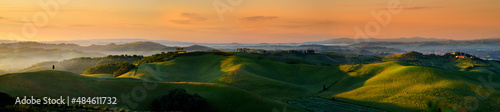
pixel 246 21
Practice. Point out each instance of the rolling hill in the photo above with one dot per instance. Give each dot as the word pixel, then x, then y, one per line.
pixel 242 80
pixel 55 83
pixel 395 86
pixel 448 61
pixel 386 85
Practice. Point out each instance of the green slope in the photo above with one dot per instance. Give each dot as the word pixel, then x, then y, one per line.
pixel 410 87
pixel 444 62
pixel 56 83
pixel 268 78
pixel 389 85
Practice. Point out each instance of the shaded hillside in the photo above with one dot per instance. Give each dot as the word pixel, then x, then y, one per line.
pixel 389 86
pixel 394 86
pixel 220 97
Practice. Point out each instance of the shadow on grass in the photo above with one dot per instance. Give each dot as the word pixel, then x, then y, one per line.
pixel 378 105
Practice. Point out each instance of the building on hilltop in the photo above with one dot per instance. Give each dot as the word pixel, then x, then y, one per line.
pixel 462 55
pixel 242 49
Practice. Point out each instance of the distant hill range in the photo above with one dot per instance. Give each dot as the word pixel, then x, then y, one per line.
pixel 121 41
pixel 243 81
pixel 111 47
pixel 15 56
pixel 95 42
pixel 360 40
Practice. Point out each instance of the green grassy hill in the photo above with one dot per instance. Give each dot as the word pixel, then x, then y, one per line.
pixel 254 80
pixel 410 87
pixel 264 77
pixel 446 62
pixel 402 85
pixel 55 83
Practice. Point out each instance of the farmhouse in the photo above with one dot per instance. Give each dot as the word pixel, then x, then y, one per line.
pixel 462 55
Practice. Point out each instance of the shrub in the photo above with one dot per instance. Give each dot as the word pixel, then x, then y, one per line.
pixel 158 57
pixel 120 71
pixel 117 68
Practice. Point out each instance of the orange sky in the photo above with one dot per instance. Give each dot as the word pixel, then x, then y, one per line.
pixel 251 21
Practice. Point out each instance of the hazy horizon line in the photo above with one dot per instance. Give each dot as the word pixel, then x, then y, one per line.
pixel 247 43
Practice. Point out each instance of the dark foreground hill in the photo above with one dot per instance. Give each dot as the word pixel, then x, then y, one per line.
pixel 55 83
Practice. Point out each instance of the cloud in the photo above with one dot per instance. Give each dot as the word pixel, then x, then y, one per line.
pixel 12 9
pixel 19 21
pixel 81 25
pixel 193 16
pixel 181 21
pixel 2 18
pixel 259 18
pixel 190 17
pixel 416 8
pixel 309 24
pixel 406 7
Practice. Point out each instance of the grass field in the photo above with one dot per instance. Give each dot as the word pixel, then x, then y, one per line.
pixel 410 87
pixel 247 82
pixel 56 83
pixel 400 84
pixel 271 79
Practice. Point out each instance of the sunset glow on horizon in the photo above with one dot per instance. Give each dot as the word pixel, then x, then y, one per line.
pixel 251 21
